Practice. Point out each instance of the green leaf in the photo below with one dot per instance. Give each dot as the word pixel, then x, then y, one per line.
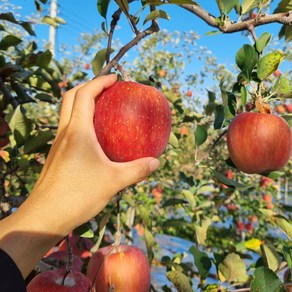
pixel 9 41
pixel 149 240
pixel 284 6
pixel 43 97
pixel 84 231
pixel 233 269
pixel 201 135
pixel 266 280
pixel 287 252
pixel 99 60
pixel 156 14
pixel 190 198
pixel 49 20
pixel 124 5
pixel 201 230
pixel 286 32
pixel 44 58
pixel 35 142
pixel 283 223
pixel 229 103
pixel 173 140
pixel 282 86
pixel 180 281
pixel 159 2
pixel 102 7
pixel 246 59
pixel 59 20
pixel 262 42
pixel 8 17
pixel 173 202
pixel 243 95
pixel 202 261
pixel 21 126
pixel 101 230
pixel 145 216
pixel 229 182
pixel 271 257
pixel 269 63
pixel 28 27
pixel 219 117
pixel 248 5
pixel 225 6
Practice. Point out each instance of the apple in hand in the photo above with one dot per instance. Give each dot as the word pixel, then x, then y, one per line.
pixel 132 121
pixel 58 281
pixel 258 142
pixel 122 268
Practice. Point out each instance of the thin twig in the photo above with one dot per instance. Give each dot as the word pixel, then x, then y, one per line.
pixel 10 98
pixel 152 29
pixel 230 27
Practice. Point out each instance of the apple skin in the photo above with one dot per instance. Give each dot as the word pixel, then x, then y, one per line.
pixel 132 121
pixel 52 281
pixel 123 267
pixel 259 143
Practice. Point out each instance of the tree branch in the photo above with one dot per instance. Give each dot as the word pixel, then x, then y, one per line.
pixel 10 98
pixel 152 29
pixel 230 27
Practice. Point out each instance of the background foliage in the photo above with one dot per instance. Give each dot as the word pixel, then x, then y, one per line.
pixel 236 226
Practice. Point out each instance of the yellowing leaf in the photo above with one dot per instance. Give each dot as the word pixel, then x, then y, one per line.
pixel 253 244
pixel 4 155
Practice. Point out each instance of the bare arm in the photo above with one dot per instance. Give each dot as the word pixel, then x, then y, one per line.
pixel 76 183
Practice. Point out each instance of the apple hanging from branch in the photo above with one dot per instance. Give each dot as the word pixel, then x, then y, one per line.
pixel 59 281
pixel 132 120
pixel 119 268
pixel 259 142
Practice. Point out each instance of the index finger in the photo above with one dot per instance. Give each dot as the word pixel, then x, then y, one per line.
pixel 84 102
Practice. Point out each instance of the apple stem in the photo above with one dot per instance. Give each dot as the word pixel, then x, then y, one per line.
pixel 69 263
pixel 118 235
pixel 64 278
pixel 125 74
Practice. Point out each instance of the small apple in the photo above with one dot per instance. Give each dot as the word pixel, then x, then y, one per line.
pixel 86 66
pixel 266 181
pixel 249 106
pixel 59 281
pixel 267 198
pixel 184 131
pixel 288 108
pixel 240 226
pixel 248 227
pixel 119 268
pixel 253 15
pixel 258 142
pixel 231 207
pixel 162 73
pixel 132 120
pixel 277 73
pixel 189 93
pixel 280 109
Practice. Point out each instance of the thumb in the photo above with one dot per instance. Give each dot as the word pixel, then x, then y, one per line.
pixel 137 170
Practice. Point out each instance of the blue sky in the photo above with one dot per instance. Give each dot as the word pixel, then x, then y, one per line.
pixel 82 16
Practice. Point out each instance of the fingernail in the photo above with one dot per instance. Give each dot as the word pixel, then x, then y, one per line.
pixel 154 164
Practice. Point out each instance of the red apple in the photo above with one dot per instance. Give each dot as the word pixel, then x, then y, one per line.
pixel 258 142
pixel 288 108
pixel 132 121
pixel 58 281
pixel 280 109
pixel 162 73
pixel 124 268
pixel 277 73
pixel 86 66
pixel 189 93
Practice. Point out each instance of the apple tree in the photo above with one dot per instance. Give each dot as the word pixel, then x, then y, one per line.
pixel 236 226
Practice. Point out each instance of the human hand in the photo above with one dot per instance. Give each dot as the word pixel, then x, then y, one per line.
pixel 76 183
pixel 77 173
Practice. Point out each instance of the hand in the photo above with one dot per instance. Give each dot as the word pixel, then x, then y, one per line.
pixel 77 180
